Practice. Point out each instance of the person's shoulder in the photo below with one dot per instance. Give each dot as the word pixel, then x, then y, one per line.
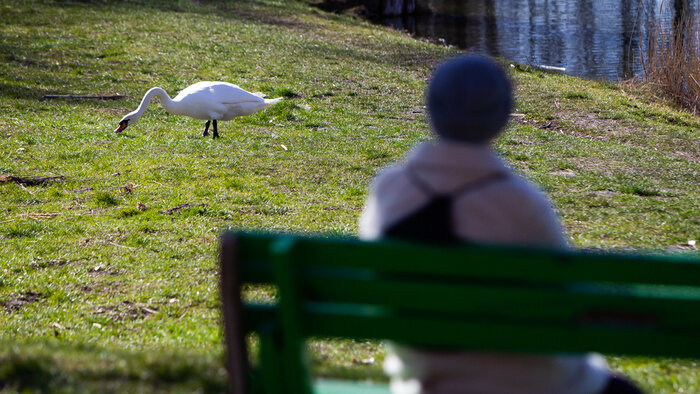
pixel 530 209
pixel 524 198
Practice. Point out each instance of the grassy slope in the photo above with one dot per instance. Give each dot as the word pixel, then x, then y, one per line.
pixel 95 291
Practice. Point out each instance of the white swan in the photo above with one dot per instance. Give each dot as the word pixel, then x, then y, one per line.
pixel 210 101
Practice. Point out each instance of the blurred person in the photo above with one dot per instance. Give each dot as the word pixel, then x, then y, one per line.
pixel 458 190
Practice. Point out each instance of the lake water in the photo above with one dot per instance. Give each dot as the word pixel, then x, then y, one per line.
pixel 598 39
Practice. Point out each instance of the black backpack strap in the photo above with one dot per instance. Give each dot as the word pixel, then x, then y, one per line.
pixel 466 188
pixel 433 222
pixel 480 183
pixel 418 182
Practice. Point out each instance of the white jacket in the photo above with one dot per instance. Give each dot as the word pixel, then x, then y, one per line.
pixel 510 211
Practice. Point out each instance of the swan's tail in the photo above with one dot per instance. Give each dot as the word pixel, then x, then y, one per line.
pixel 271 102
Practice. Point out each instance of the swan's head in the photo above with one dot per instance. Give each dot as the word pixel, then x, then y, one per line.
pixel 126 121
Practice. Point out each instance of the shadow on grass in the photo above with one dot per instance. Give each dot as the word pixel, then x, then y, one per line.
pixel 49 367
pixel 21 92
pixel 21 59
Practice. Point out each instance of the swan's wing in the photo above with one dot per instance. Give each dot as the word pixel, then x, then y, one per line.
pixel 232 94
pixel 216 92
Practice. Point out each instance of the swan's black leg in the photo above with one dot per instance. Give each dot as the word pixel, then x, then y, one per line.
pixel 216 132
pixel 206 129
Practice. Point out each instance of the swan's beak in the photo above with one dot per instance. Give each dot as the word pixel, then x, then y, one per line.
pixel 122 126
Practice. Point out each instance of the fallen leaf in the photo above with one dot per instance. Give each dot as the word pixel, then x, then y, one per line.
pixel 129 187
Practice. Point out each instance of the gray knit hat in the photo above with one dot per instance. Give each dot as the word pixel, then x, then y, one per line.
pixel 469 99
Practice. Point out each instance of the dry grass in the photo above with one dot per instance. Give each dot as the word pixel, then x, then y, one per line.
pixel 671 61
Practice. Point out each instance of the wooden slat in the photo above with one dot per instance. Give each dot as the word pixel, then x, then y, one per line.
pixel 233 316
pixel 502 262
pixel 254 251
pixel 473 260
pixel 626 305
pixel 295 375
pixel 508 336
pixel 519 335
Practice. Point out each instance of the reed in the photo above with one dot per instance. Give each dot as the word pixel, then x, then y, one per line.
pixel 671 60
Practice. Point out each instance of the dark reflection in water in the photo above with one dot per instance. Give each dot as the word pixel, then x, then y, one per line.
pixel 590 38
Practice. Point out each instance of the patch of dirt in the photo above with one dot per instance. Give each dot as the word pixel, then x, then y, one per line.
pixel 172 210
pixel 555 125
pixel 86 288
pixel 101 270
pixel 268 18
pixel 108 287
pixel 17 301
pixel 564 173
pixel 126 310
pixel 341 208
pixel 604 130
pixel 606 127
pixel 82 190
pixel 688 156
pixel 603 193
pixel 38 215
pixel 49 263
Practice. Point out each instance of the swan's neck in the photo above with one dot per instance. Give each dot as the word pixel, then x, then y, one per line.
pixel 165 101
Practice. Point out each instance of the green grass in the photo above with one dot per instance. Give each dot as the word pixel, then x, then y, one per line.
pixel 102 282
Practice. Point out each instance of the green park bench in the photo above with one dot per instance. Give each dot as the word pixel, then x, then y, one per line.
pixel 466 297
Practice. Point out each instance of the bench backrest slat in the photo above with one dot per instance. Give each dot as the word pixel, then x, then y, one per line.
pixel 486 261
pixel 501 263
pixel 505 336
pixel 582 304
